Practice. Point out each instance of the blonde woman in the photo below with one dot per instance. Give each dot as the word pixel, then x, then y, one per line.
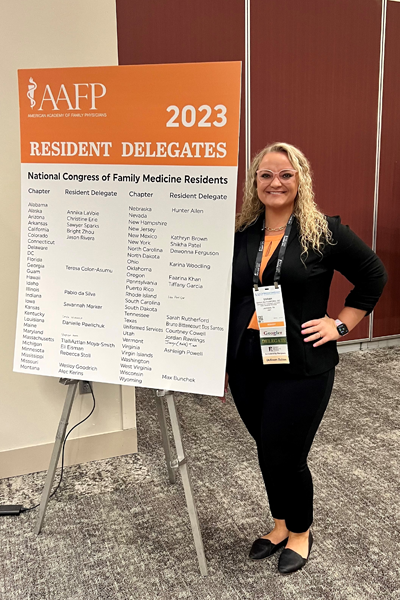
pixel 282 404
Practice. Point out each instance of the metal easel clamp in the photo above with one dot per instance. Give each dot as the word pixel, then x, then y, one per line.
pixel 162 393
pixel 66 381
pixel 174 465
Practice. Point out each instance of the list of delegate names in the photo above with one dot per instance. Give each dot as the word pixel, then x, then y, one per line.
pixel 128 196
pixel 126 282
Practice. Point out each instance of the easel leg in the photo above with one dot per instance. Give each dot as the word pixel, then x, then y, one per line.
pixel 187 485
pixel 171 466
pixel 60 435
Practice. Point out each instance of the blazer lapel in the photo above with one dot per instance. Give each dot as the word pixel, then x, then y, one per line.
pixel 253 241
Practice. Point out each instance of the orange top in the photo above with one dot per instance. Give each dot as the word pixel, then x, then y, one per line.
pixel 271 242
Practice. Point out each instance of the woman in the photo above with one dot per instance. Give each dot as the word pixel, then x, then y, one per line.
pixel 282 392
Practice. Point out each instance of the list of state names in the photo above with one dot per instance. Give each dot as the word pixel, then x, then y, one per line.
pixel 125 274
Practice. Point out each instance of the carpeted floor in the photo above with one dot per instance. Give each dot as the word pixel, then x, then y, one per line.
pixel 117 530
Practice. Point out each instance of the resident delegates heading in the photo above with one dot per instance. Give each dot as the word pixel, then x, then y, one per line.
pixel 135 149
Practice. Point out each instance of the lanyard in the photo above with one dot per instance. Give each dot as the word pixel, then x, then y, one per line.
pixel 281 254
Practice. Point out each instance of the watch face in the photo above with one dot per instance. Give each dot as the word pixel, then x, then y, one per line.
pixel 342 329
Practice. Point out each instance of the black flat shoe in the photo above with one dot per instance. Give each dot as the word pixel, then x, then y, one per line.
pixel 290 561
pixel 262 548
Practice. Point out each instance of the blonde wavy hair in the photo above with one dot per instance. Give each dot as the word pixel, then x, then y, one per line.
pixel 314 230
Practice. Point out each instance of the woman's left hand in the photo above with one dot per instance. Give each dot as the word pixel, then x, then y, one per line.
pixel 320 331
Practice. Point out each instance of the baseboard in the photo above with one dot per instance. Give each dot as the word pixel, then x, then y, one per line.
pixel 368 345
pixel 31 459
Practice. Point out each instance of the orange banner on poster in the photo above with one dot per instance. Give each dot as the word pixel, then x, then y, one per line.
pixel 183 114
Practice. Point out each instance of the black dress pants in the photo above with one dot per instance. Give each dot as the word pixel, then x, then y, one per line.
pixel 283 416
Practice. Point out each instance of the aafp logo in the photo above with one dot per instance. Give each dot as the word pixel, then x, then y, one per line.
pixel 75 97
pixel 31 91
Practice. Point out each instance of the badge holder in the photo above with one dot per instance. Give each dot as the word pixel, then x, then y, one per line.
pixel 269 307
pixel 173 465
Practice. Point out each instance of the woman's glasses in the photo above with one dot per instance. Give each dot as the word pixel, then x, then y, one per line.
pixel 267 176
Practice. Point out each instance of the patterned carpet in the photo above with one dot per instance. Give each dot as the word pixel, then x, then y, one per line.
pixel 117 530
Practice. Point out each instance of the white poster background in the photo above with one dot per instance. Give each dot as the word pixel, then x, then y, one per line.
pixel 95 304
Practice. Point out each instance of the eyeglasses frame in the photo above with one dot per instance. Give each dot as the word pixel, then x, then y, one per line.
pixel 275 174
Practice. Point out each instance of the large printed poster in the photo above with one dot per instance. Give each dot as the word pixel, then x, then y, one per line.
pixel 128 184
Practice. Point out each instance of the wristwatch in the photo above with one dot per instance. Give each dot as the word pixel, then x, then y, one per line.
pixel 341 327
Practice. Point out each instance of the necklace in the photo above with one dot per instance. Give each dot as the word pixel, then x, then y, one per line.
pixel 276 228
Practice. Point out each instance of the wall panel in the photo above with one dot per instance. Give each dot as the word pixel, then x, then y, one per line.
pixel 183 31
pixel 387 313
pixel 39 34
pixel 314 83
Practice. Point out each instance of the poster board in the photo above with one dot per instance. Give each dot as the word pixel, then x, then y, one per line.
pixel 128 188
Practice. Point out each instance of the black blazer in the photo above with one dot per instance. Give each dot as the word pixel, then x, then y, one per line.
pixel 305 291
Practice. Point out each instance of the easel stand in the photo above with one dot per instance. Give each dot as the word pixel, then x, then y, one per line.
pixel 60 436
pixel 173 465
pixel 181 464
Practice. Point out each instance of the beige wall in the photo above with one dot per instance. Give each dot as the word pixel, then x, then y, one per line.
pixel 47 33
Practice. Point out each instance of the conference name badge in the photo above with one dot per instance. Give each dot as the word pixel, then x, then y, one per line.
pixel 272 323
